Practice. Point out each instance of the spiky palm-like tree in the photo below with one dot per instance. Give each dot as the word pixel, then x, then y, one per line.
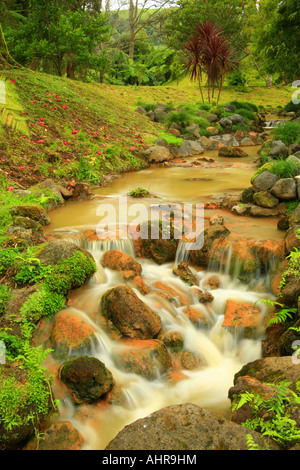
pixel 208 51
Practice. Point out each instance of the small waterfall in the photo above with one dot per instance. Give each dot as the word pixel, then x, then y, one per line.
pixel 182 253
pixel 272 124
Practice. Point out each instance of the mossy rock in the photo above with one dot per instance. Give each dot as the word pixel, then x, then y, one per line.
pixel 24 405
pixel 34 212
pixel 266 167
pixel 87 378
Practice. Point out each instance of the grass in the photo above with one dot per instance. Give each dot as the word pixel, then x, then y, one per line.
pixel 284 168
pixel 289 133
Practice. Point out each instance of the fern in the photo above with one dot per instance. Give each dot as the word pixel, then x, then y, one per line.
pixel 251 444
pixel 282 316
pixel 11 110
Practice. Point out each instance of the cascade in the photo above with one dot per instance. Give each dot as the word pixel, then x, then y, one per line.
pixel 221 353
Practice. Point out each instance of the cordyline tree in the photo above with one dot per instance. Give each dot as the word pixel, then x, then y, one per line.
pixel 209 52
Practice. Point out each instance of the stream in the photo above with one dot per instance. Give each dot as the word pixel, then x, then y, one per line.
pixel 222 351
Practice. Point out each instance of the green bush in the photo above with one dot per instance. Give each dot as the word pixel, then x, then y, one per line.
pixel 139 192
pixel 292 107
pixel 244 105
pixel 182 118
pixel 288 132
pixel 5 294
pixel 284 168
pixel 248 114
pixel 70 273
pixel 237 78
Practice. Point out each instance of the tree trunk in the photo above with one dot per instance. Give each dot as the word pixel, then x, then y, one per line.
pixel 131 28
pixel 71 68
pixel 6 59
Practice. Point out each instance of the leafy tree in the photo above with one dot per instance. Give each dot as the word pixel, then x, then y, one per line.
pixel 60 35
pixel 277 38
pixel 231 15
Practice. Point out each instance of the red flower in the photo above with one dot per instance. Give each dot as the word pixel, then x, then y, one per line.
pixel 65 106
pixel 22 168
pixel 9 188
pixel 12 81
pixel 99 152
pixel 66 143
pixel 131 148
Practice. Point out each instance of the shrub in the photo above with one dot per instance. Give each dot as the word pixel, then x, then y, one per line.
pixel 292 107
pixel 288 132
pixel 182 118
pixel 237 78
pixel 248 114
pixel 244 105
pixel 139 192
pixel 284 168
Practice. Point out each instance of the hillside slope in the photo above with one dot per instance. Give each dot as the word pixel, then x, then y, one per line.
pixel 84 131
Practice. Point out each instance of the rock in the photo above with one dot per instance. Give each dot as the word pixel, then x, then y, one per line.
pixel 27 230
pixel 278 149
pixel 140 110
pixel 237 119
pixel 264 181
pixel 212 130
pixel 81 192
pixel 211 117
pixel 71 335
pixel 56 250
pixel 129 315
pixel 231 152
pixel 204 142
pixel 66 193
pixel 226 123
pixel 61 435
pixel 172 339
pixel 239 135
pixel 190 148
pixel 193 130
pixel 270 370
pixel 197 316
pixel 241 209
pixel 118 261
pixel 34 212
pixel 185 274
pixel 294 217
pixel 148 358
pixel 161 250
pixel 20 417
pixel 211 234
pixel 288 340
pixel 283 223
pixel 213 282
pixel 278 211
pixel 216 219
pixel 185 426
pixel 160 114
pixel 49 190
pixel 241 315
pixel 157 154
pixel 87 378
pixel 265 199
pixel 235 256
pixel 290 291
pixel 247 195
pixel 297 181
pixel 285 188
pixel 291 239
pixel 246 141
pixel 230 200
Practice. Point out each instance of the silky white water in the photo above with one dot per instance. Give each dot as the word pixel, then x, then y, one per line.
pixel 222 352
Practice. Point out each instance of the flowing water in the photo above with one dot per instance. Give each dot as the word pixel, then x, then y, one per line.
pixel 222 351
